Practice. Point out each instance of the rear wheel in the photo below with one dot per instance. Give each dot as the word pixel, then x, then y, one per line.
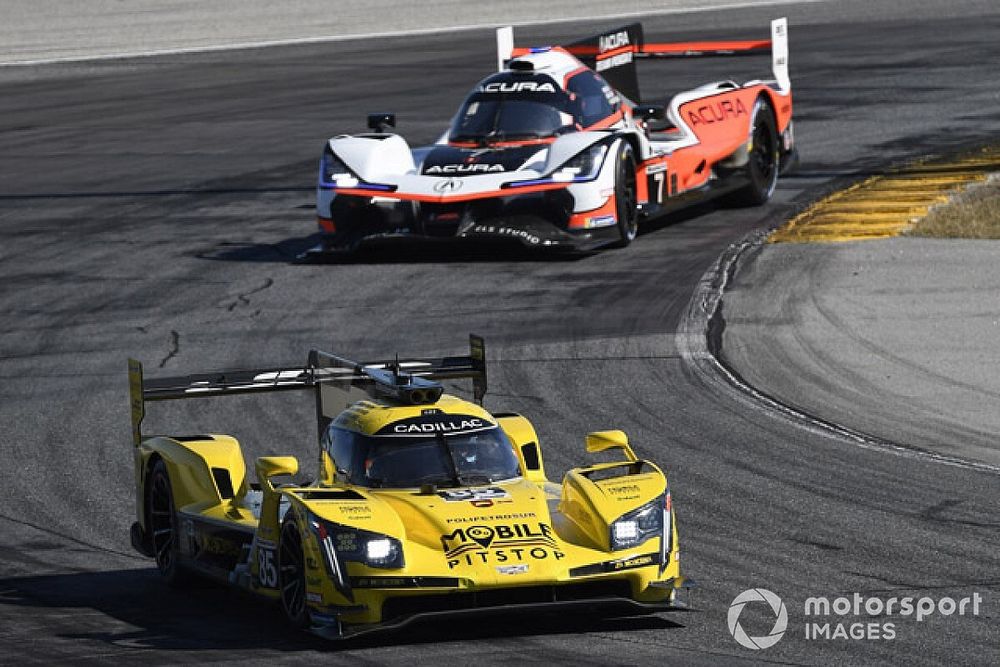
pixel 626 200
pixel 163 525
pixel 292 575
pixel 762 166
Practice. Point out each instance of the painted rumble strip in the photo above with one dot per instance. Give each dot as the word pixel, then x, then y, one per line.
pixel 889 204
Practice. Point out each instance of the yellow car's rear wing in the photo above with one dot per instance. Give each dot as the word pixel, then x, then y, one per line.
pixel 337 381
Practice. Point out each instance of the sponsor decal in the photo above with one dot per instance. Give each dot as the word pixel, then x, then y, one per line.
pixel 462 495
pixel 624 490
pixel 435 423
pixel 517 87
pixel 355 511
pixel 449 185
pixel 464 169
pixel 502 544
pixel 404 582
pixel 440 427
pixel 520 568
pixel 716 112
pixel 630 563
pixel 615 40
pixel 601 221
pixel 515 516
pixel 522 234
pixel 315 598
pixel 614 61
pixel 211 544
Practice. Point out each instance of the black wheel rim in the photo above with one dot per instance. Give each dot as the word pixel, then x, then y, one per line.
pixel 763 156
pixel 161 519
pixel 627 200
pixel 291 573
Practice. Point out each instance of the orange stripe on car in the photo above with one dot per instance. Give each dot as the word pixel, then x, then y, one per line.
pixel 440 199
pixel 700 47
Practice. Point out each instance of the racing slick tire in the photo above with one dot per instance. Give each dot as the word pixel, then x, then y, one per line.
pixel 163 526
pixel 764 160
pixel 292 575
pixel 626 208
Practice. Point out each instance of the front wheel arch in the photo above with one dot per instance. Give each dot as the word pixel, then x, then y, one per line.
pixel 291 574
pixel 626 193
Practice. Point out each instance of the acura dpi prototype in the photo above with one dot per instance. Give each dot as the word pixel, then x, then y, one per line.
pixel 423 504
pixel 555 150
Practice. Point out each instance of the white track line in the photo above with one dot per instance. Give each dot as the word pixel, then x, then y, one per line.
pixel 394 33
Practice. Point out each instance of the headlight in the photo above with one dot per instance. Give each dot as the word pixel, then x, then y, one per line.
pixel 583 165
pixel 333 171
pixel 356 545
pixel 632 529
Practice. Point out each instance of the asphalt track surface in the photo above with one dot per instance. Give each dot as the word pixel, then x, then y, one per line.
pixel 152 207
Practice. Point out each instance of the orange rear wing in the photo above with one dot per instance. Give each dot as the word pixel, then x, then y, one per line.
pixel 613 53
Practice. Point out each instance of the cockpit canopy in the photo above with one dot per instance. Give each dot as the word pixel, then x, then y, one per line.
pixel 444 450
pixel 521 106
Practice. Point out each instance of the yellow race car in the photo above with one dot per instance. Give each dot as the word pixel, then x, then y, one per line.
pixel 424 504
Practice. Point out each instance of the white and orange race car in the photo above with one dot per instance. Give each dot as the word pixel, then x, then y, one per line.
pixel 555 150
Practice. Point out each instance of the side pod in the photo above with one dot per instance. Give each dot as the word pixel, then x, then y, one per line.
pixel 206 471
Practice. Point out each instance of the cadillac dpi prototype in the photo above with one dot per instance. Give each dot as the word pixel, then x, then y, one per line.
pixel 424 504
pixel 555 150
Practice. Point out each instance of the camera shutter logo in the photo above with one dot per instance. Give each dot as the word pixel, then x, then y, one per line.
pixel 780 623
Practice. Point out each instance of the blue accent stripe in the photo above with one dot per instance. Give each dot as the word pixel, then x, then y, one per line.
pixel 360 186
pixel 547 181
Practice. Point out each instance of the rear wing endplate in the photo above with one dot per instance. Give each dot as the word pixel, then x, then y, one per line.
pixel 337 381
pixel 613 53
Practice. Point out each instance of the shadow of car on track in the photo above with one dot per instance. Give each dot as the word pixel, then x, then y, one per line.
pixel 409 251
pixel 425 251
pixel 135 610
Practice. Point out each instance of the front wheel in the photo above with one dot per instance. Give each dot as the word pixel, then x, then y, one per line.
pixel 292 575
pixel 763 161
pixel 626 200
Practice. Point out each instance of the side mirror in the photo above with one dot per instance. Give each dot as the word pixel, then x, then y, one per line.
pixel 600 441
pixel 272 466
pixel 648 112
pixel 378 121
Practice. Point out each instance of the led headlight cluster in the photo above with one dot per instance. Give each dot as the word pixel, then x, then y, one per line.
pixel 332 170
pixel 632 529
pixel 582 166
pixel 342 544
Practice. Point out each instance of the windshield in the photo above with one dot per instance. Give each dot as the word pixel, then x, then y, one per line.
pixel 490 117
pixel 399 462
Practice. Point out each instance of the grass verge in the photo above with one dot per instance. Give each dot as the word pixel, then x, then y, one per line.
pixel 973 214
